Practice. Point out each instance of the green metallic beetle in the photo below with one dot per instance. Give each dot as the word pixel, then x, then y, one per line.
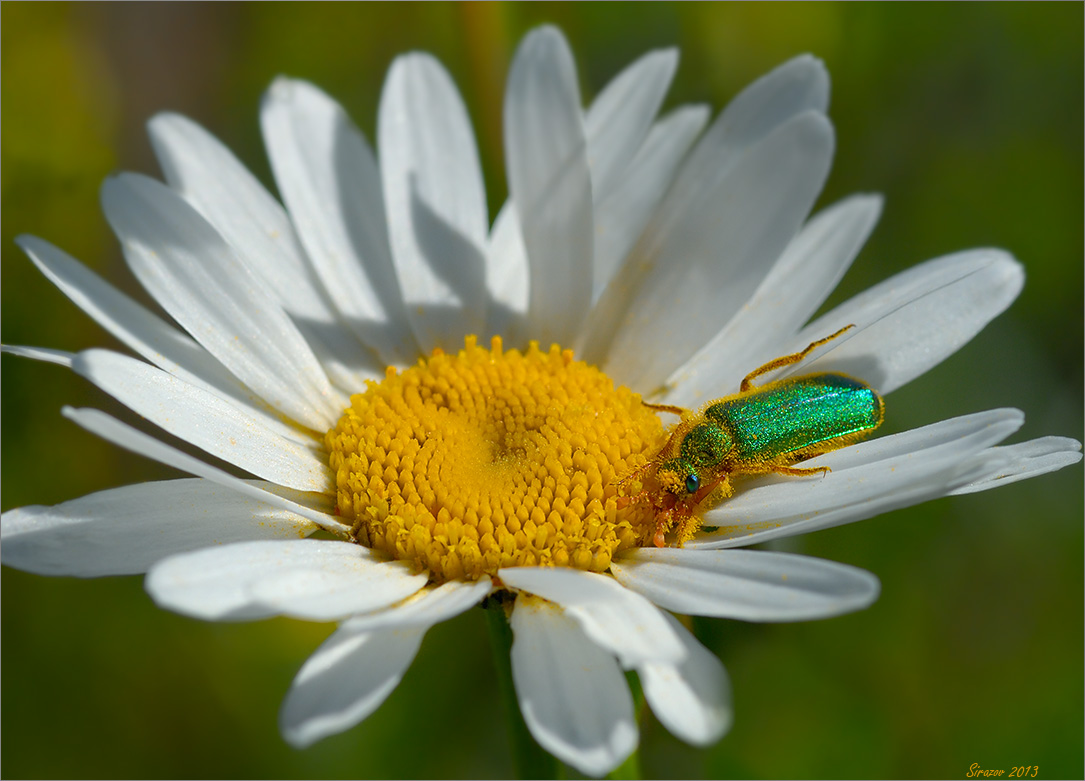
pixel 759 430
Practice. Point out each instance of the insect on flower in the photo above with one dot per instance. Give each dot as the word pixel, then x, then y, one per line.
pixel 759 430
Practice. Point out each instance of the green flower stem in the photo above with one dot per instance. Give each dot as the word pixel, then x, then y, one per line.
pixel 529 758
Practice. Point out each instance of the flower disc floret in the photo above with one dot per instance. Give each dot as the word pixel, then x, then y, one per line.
pixel 485 459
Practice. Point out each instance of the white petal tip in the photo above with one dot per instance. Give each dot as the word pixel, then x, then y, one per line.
pixel 544 30
pixel 809 62
pixel 304 736
pixel 163 121
pixel 668 56
pixel 545 37
pixel 870 200
pixel 283 89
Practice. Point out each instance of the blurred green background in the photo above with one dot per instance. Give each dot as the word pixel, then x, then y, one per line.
pixel 967 117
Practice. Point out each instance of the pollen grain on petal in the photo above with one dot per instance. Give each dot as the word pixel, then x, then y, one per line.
pixel 493 458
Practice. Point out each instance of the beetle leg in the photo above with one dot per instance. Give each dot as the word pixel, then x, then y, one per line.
pixel 665 408
pixel 660 538
pixel 800 471
pixel 664 520
pixel 640 470
pixel 679 432
pixel 787 360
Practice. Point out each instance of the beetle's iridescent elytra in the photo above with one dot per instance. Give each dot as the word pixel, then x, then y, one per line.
pixel 759 430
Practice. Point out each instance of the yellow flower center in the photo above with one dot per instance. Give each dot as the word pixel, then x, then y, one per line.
pixel 485 459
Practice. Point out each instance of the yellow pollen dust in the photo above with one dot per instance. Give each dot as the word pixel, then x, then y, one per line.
pixel 485 459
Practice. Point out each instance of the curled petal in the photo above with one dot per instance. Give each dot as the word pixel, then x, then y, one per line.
pixel 345 680
pixel 615 618
pixel 356 668
pixel 572 693
pixel 692 699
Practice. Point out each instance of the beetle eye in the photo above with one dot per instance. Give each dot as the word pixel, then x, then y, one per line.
pixel 692 483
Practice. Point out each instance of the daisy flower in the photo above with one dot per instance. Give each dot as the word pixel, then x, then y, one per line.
pixel 447 403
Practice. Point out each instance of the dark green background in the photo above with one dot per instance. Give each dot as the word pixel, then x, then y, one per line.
pixel 968 117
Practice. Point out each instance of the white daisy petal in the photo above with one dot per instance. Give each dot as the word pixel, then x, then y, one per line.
pixel 345 680
pixel 546 158
pixel 356 668
pixel 318 580
pixel 799 282
pixel 320 590
pixel 131 323
pixel 954 438
pixel 868 478
pixel 507 278
pixel 624 211
pixel 796 87
pixel 622 113
pixel 1025 460
pixel 436 201
pixel 706 261
pixel 198 368
pixel 615 618
pixel 747 585
pixel 205 420
pixel 44 354
pixel 691 699
pixel 914 320
pixel 191 271
pixel 223 191
pixel 799 85
pixel 329 181
pixel 106 369
pixel 111 429
pixel 620 215
pixel 426 608
pixel 124 531
pixel 573 696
